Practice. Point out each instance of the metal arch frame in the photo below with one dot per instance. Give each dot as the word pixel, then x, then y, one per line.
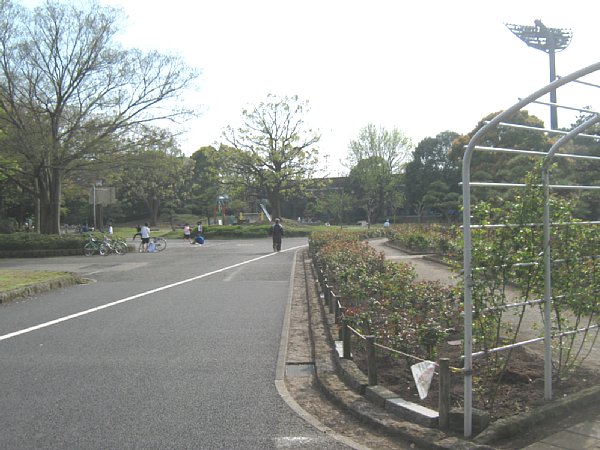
pixel 548 250
pixel 467 245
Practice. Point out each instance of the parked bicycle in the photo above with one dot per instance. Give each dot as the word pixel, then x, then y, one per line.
pixel 93 246
pixel 156 243
pixel 115 245
pixel 159 243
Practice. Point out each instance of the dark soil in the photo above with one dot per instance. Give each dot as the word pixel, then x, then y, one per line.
pixel 521 388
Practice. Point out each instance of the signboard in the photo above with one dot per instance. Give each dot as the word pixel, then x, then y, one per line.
pixel 102 196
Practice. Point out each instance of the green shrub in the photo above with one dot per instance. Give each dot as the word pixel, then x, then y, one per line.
pixel 425 238
pixel 35 241
pixel 384 298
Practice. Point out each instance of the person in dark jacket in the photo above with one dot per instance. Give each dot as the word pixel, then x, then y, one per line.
pixel 138 233
pixel 277 233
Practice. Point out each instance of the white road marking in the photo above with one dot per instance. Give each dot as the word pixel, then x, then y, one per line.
pixel 133 297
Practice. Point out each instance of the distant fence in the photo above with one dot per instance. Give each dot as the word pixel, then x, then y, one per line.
pixel 425 219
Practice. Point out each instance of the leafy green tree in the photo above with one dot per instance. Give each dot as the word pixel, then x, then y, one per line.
pixel 439 199
pixel 207 180
pixel 392 146
pixel 68 92
pixel 377 158
pixel 496 167
pixel 334 204
pixel 431 163
pixel 581 172
pixel 369 182
pixel 273 152
pixel 157 178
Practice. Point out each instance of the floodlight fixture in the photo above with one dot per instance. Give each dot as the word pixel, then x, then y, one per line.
pixel 549 40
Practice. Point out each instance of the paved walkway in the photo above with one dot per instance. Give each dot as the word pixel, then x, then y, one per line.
pixel 582 435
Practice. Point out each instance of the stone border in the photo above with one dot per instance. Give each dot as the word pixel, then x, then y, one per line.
pixel 433 257
pixel 69 279
pixel 43 253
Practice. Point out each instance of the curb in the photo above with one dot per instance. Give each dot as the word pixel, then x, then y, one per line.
pixel 69 279
pixel 41 253
pixel 433 257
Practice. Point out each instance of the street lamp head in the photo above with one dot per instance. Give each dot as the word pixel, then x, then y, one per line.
pixel 541 37
pixel 549 40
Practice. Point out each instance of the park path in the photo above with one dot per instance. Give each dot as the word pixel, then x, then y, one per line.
pixel 531 325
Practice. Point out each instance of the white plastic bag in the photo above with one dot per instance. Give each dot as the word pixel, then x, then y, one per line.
pixel 423 374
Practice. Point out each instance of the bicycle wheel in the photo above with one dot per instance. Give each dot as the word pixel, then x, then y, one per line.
pixel 120 247
pixel 160 244
pixel 89 249
pixel 104 249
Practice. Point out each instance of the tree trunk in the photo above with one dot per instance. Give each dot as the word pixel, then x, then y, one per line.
pixel 275 205
pixel 49 183
pixel 154 211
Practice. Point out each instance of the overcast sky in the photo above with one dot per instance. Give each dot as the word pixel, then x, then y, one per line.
pixel 421 66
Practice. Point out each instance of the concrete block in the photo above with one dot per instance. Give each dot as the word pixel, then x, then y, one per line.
pixel 412 412
pixel 481 419
pixel 353 376
pixel 379 395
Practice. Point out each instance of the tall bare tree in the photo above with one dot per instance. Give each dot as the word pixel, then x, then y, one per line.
pixel 69 92
pixel 273 150
pixel 392 146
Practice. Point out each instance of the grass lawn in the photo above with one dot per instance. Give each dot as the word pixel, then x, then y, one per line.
pixel 13 279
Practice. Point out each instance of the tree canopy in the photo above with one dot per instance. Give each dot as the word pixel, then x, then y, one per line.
pixel 432 165
pixel 273 151
pixel 392 146
pixel 157 178
pixel 69 94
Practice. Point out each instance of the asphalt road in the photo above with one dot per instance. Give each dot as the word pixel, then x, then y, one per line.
pixel 171 350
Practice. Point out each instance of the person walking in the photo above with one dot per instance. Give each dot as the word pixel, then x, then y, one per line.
pixel 276 232
pixel 145 234
pixel 187 232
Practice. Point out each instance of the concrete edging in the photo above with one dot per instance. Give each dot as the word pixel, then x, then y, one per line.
pixel 41 253
pixel 69 279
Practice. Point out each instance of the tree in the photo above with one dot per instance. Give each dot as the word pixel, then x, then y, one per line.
pixel 158 179
pixel 272 151
pixel 68 93
pixel 431 162
pixel 503 167
pixel 370 181
pixel 392 146
pixel 207 182
pixel 440 200
pixel 334 203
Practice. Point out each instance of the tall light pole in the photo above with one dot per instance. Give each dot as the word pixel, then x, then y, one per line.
pixel 549 40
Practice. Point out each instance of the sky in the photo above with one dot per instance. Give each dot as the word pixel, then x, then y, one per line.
pixel 422 67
